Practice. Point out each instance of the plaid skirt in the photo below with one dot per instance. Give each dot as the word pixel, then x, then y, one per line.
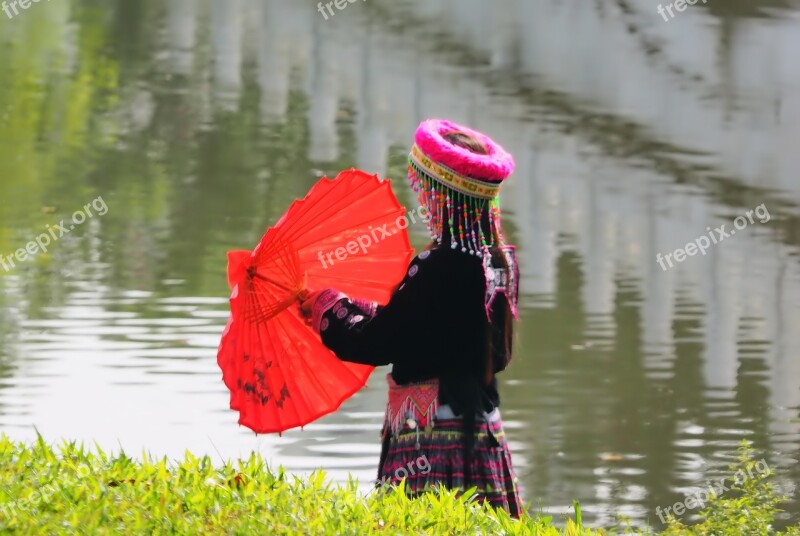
pixel 431 456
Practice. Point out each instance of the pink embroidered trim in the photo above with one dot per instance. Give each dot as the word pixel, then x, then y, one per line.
pixel 366 306
pixel 418 401
pixel 326 299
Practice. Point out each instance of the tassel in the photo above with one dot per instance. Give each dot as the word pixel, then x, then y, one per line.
pixel 457 210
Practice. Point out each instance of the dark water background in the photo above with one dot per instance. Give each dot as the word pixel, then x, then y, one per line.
pixel 197 122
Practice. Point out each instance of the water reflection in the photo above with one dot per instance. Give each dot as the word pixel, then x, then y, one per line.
pixel 199 121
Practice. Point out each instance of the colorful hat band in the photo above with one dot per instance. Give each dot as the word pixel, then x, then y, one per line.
pixel 463 209
pixel 451 179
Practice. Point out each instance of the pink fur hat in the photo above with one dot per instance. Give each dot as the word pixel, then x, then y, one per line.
pixel 459 188
pixel 493 167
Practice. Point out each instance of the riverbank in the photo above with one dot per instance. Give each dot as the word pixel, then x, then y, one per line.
pixel 71 489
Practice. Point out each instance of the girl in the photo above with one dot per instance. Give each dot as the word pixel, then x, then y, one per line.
pixel 447 330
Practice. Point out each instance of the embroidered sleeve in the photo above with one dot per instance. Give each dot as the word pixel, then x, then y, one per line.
pixel 369 308
pixel 361 332
pixel 322 304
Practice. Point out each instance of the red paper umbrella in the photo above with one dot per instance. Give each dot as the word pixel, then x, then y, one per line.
pixel 348 233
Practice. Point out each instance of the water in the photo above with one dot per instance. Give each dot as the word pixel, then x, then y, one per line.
pixel 197 123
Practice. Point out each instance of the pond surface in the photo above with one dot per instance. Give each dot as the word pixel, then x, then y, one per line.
pixel 195 123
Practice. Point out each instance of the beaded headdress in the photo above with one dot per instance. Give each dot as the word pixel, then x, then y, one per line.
pixel 459 187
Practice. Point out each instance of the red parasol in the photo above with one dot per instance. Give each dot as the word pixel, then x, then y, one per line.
pixel 348 233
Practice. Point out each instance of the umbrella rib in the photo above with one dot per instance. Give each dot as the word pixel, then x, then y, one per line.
pixel 354 227
pixel 380 217
pixel 286 263
pixel 286 367
pixel 265 292
pixel 267 355
pixel 321 387
pixel 288 375
pixel 273 282
pixel 297 320
pixel 314 218
pixel 337 185
pixel 279 354
pixel 251 365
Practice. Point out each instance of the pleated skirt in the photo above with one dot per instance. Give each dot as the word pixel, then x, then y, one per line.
pixel 427 458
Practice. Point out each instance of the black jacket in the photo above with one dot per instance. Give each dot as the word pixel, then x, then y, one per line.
pixel 435 325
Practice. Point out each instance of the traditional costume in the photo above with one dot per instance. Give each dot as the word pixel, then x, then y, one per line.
pixel 437 329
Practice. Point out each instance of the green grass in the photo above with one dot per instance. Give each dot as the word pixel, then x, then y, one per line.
pixel 73 490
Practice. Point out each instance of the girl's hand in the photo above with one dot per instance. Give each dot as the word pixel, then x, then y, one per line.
pixel 306 301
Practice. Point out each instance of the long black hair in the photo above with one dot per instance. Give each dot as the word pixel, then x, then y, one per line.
pixel 469 391
pixel 500 328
